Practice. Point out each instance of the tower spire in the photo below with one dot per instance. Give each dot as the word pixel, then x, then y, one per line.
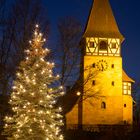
pixel 101 21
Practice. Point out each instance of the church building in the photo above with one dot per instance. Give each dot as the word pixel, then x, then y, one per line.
pixel 106 94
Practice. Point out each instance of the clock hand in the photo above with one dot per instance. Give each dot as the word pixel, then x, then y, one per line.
pixel 102 67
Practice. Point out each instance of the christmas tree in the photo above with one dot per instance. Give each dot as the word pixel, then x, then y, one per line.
pixel 34 96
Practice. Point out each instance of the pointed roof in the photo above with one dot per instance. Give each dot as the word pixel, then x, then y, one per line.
pixel 126 78
pixel 101 21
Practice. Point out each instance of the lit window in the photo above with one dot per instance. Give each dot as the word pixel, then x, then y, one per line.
pixel 103 45
pixel 125 83
pixel 103 105
pixel 127 88
pixel 129 92
pixel 125 91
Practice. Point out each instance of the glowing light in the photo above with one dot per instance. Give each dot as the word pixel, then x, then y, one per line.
pixel 36 25
pixel 61 87
pixel 46 50
pixel 78 93
pixel 62 93
pixel 14 87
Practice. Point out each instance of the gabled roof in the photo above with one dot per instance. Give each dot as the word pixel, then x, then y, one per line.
pixel 101 21
pixel 126 78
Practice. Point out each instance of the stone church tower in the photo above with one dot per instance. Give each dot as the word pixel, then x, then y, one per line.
pixel 106 96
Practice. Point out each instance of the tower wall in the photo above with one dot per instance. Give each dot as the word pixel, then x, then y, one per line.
pixel 103 91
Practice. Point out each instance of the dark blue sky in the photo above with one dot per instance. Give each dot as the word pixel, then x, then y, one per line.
pixel 128 18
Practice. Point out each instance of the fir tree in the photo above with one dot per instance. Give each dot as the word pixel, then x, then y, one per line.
pixel 34 96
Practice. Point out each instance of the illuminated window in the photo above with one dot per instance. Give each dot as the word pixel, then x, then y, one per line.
pixel 127 88
pixel 91 45
pixel 103 45
pixel 103 105
pixel 129 92
pixel 124 83
pixel 125 91
pixel 113 46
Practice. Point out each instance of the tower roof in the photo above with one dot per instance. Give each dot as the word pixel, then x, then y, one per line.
pixel 101 21
pixel 126 78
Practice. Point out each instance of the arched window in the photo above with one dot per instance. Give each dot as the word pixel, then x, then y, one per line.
pixel 103 105
pixel 103 45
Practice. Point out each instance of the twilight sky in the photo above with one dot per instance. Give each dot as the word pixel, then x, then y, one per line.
pixel 128 18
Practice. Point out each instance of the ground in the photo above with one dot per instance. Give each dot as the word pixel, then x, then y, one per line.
pixel 81 135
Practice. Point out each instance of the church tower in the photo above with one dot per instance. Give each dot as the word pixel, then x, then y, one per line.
pixel 106 97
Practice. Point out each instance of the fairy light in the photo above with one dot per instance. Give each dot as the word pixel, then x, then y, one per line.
pixel 24 90
pixel 46 49
pixel 43 95
pixel 41 59
pixel 48 96
pixel 36 25
pixel 21 86
pixel 61 87
pixel 18 74
pixel 48 112
pixel 53 64
pixel 14 87
pixel 62 93
pixel 60 108
pixel 78 93
pixel 32 93
pixel 37 65
pixel 40 101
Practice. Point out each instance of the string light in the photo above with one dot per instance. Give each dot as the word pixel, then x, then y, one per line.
pixel 78 93
pixel 36 103
pixel 36 25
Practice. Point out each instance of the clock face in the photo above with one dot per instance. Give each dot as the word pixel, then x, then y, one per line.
pixel 101 65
